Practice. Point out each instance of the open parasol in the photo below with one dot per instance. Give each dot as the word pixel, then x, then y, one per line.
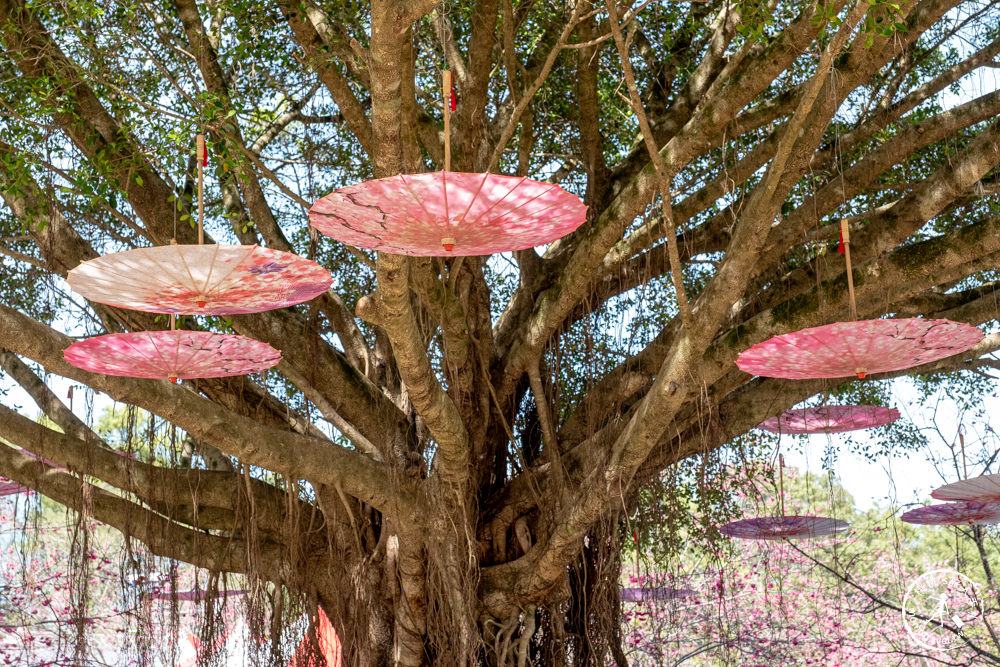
pixel 216 279
pixel 784 527
pixel 983 489
pixel 10 488
pixel 830 419
pixel 172 355
pixel 955 514
pixel 446 212
pixel 657 594
pixel 213 279
pixel 860 348
pixel 844 349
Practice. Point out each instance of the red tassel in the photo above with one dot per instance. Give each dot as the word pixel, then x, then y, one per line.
pixel 204 153
pixel 840 248
pixel 454 100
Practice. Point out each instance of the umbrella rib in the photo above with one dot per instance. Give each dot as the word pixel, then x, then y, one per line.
pixel 475 196
pixel 192 360
pixel 808 350
pixel 444 196
pixel 415 198
pixel 499 200
pixel 235 267
pixel 132 268
pixel 193 284
pixel 534 212
pixel 127 339
pixel 211 269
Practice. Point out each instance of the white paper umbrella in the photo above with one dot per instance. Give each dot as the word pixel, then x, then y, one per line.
pixel 955 514
pixel 214 279
pixel 984 489
pixel 784 528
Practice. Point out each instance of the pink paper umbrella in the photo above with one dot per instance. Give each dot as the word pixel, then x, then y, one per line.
pixel 9 488
pixel 172 354
pixel 447 212
pixel 843 349
pixel 659 594
pixel 200 279
pixel 784 527
pixel 955 514
pixel 984 489
pixel 830 419
pixel 51 464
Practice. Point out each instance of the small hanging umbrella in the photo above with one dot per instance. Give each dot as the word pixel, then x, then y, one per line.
pixel 212 279
pixel 983 489
pixel 784 527
pixel 172 355
pixel 830 419
pixel 844 349
pixel 445 212
pixel 955 514
pixel 658 594
pixel 9 488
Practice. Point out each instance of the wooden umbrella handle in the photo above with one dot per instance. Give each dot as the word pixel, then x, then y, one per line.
pixel 446 98
pixel 200 154
pixel 846 233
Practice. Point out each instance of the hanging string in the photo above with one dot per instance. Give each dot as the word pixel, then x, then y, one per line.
pixel 781 483
pixel 961 440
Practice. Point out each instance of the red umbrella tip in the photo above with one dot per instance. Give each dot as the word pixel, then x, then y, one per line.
pixel 448 243
pixel 173 378
pixel 202 303
pixel 861 373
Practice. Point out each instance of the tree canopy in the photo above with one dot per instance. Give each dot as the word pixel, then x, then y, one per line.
pixel 444 452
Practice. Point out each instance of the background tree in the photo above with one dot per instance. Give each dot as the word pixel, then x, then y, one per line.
pixel 442 456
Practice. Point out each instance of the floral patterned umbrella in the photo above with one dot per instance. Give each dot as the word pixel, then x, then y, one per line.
pixel 830 419
pixel 983 489
pixel 783 527
pixel 172 355
pixel 955 514
pixel 843 349
pixel 658 594
pixel 447 212
pixel 201 279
